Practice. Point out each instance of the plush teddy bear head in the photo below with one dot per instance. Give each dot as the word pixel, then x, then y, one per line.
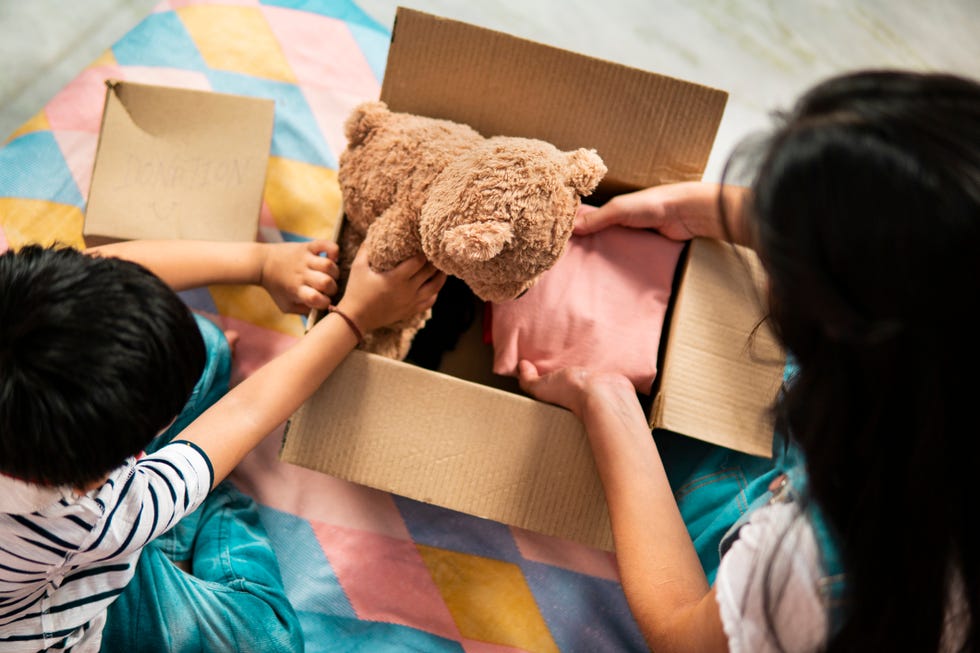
pixel 501 213
pixel 387 169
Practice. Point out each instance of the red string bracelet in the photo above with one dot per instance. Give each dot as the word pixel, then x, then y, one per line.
pixel 349 321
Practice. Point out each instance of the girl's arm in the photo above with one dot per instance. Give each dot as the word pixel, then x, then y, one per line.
pixel 294 274
pixel 662 577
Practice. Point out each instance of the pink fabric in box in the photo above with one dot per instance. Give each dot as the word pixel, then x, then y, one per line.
pixel 601 306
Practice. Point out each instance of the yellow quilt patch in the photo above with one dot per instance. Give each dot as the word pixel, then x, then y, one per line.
pixel 237 39
pixel 253 305
pixel 27 221
pixel 489 600
pixel 303 198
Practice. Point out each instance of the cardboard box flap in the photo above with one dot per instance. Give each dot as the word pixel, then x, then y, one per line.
pixel 438 439
pixel 719 347
pixel 178 163
pixel 648 128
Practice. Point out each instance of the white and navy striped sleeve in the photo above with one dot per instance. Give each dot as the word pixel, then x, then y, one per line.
pixel 148 501
pixel 61 566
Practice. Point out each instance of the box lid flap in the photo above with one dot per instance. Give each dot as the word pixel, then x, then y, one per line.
pixel 648 128
pixel 178 163
pixel 722 365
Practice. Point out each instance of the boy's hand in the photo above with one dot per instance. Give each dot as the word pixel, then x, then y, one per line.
pixel 376 299
pixel 297 277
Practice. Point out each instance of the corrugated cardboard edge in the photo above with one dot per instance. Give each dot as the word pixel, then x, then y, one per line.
pixel 648 128
pixel 718 323
pixel 438 439
pixel 96 239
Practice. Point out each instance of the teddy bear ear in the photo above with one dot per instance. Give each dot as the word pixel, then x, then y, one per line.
pixel 477 241
pixel 365 118
pixel 586 170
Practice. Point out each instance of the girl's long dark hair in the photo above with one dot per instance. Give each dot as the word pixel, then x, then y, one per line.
pixel 866 208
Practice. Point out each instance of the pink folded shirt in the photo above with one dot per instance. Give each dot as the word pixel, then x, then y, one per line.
pixel 601 306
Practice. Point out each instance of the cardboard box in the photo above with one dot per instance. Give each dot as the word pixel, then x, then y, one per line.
pixel 178 163
pixel 453 439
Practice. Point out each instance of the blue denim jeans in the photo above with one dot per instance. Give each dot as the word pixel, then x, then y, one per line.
pixel 717 489
pixel 234 600
pixel 714 487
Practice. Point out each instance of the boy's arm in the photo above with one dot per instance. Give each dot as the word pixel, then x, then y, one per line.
pixel 295 274
pixel 265 399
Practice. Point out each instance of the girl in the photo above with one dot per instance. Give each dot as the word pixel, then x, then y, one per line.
pixel 865 211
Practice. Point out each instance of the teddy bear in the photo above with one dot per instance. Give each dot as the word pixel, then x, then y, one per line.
pixel 494 212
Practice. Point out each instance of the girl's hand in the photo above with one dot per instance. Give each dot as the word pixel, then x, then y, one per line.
pixel 574 388
pixel 376 299
pixel 679 211
pixel 297 277
pixel 643 209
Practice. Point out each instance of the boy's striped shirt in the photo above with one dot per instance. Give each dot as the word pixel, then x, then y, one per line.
pixel 65 557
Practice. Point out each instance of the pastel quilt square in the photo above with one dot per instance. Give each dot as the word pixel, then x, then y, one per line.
pixel 302 38
pixel 584 613
pixel 78 106
pixel 448 529
pixel 296 134
pixel 236 39
pixel 332 634
pixel 385 579
pixel 308 578
pixel 159 40
pixel 345 10
pixel 33 166
pixel 28 221
pixel 489 599
pixel 374 45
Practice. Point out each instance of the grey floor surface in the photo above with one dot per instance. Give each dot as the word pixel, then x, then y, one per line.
pixel 764 52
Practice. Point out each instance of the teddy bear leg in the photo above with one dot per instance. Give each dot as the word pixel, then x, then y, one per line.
pixel 388 342
pixel 349 242
pixel 394 341
pixel 393 238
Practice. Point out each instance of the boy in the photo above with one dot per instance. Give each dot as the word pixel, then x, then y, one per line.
pixel 98 356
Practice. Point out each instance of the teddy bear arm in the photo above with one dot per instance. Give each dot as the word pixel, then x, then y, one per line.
pixel 393 238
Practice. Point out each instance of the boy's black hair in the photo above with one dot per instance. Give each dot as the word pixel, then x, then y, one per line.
pixel 97 356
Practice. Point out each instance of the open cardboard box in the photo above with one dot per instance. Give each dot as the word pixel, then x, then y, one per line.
pixel 178 163
pixel 453 439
